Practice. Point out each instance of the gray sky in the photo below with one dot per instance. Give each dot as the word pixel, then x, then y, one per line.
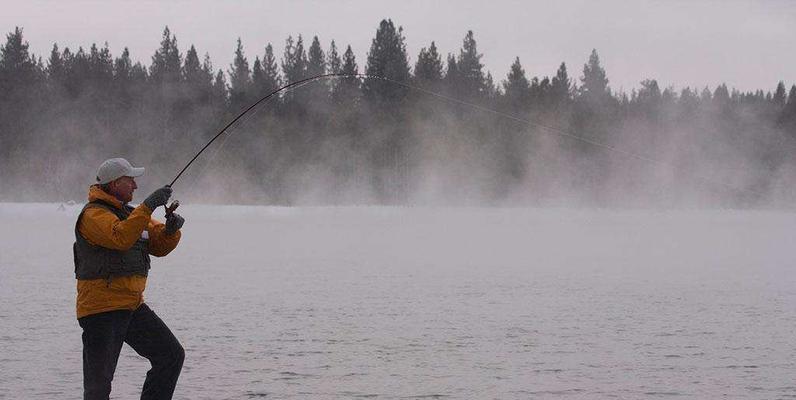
pixel 747 44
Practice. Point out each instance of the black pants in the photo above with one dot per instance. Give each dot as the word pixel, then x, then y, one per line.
pixel 145 332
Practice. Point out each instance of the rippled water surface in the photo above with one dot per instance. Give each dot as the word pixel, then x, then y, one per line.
pixel 399 303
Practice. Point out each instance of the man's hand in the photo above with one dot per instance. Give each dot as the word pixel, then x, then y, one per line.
pixel 158 197
pixel 173 223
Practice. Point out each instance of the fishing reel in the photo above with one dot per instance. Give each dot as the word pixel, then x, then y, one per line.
pixel 170 209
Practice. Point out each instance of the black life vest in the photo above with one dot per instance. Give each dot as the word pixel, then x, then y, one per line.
pixel 94 262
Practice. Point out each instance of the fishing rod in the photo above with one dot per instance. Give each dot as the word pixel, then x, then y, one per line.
pixel 548 128
pixel 244 112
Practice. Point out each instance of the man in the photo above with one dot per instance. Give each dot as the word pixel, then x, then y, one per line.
pixel 113 242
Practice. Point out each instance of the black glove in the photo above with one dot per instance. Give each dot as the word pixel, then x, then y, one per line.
pixel 173 223
pixel 158 197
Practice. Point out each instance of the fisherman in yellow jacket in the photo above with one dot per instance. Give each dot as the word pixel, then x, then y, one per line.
pixel 113 242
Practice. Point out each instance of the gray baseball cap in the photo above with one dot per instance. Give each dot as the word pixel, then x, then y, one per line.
pixel 116 168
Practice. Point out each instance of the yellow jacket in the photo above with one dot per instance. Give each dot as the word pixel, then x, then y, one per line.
pixel 102 228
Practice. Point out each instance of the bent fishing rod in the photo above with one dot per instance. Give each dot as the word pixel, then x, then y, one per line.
pixel 258 102
pixel 548 128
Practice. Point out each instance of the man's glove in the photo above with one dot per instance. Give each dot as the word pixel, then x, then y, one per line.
pixel 173 223
pixel 158 197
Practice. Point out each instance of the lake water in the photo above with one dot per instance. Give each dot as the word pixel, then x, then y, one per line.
pixel 397 303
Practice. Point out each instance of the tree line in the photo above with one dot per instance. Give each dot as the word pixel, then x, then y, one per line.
pixel 354 141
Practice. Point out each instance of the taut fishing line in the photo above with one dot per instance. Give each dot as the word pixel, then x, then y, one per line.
pixel 549 129
pixel 232 127
pixel 264 98
pixel 220 147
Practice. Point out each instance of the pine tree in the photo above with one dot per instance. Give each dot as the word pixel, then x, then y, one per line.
pixel 428 69
pixel 294 69
pixel 706 95
pixel 264 79
pixel 166 106
pixel 18 80
pixel 333 59
pixel 257 77
pixel 387 58
pixel 348 89
pixel 688 103
pixel 594 113
pixel 471 74
pixel 452 77
pixel 56 69
pixel 779 95
pixel 100 64
pixel 349 62
pixel 760 97
pixel 220 95
pixel 198 77
pixel 271 80
pixel 791 105
pixel 649 93
pixel 721 97
pixel 316 65
pixel 122 79
pixel 192 67
pixel 335 64
pixel 491 90
pixel 560 87
pixel 787 118
pixel 517 88
pixel 649 99
pixel 316 60
pixel 123 67
pixel 139 73
pixel 167 61
pixel 595 83
pixel 294 61
pixel 77 67
pixel 17 65
pixel 239 80
pixel 540 90
pixel 207 67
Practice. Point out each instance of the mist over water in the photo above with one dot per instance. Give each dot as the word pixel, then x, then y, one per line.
pixel 369 142
pixel 443 167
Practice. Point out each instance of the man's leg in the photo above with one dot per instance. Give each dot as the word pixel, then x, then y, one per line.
pixel 151 338
pixel 103 335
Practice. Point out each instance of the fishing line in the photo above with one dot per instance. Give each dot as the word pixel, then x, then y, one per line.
pixel 220 147
pixel 296 84
pixel 548 128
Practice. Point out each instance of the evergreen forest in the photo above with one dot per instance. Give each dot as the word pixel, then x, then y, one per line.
pixel 571 139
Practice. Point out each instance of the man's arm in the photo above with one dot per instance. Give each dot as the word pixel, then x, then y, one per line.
pixel 102 228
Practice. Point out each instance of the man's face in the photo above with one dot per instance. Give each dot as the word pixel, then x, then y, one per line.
pixel 123 189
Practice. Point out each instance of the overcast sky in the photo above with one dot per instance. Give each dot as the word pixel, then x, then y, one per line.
pixel 747 44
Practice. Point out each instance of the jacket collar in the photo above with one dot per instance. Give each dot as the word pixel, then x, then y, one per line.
pixel 96 193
